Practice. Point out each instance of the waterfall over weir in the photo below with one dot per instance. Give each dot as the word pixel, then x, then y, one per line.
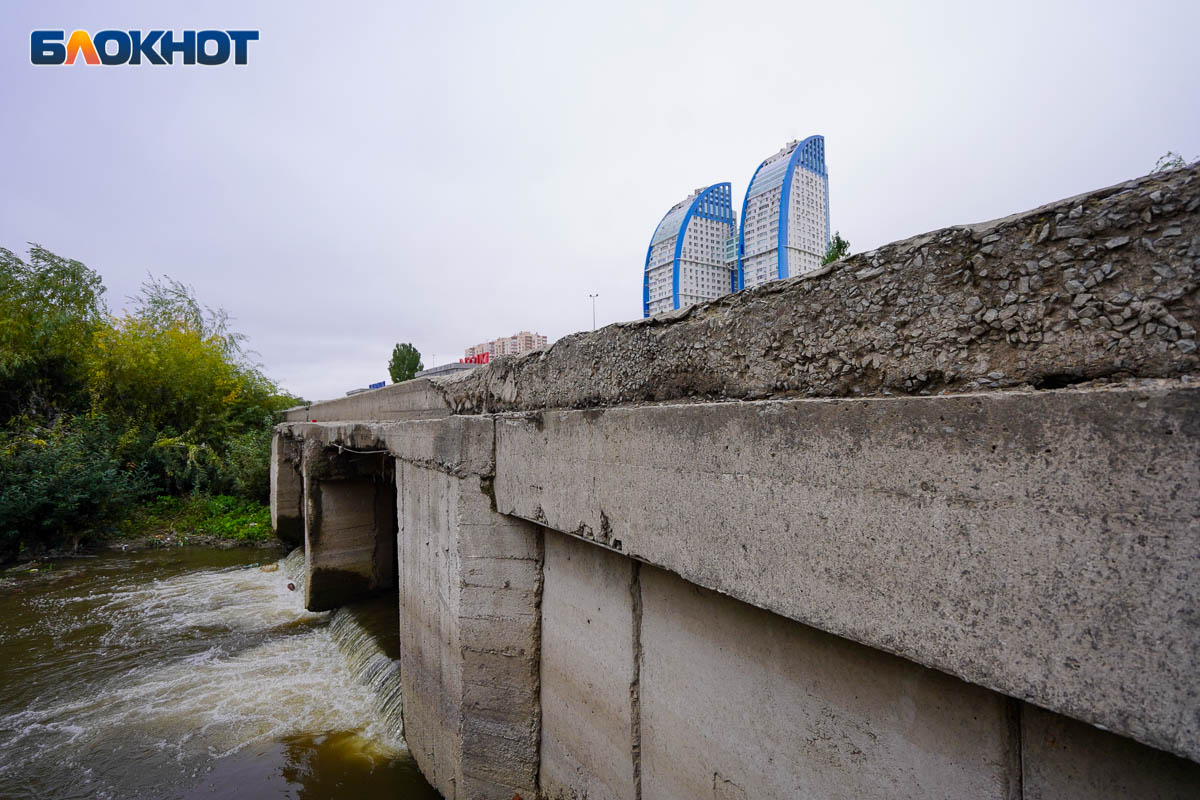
pixel 179 674
pixel 368 635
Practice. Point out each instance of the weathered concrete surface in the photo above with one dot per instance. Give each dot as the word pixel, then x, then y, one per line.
pixel 1041 544
pixel 349 539
pixel 1068 760
pixel 470 588
pixel 415 399
pixel 287 490
pixel 460 446
pixel 1104 284
pixel 737 702
pixel 588 673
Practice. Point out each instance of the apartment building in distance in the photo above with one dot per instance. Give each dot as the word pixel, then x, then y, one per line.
pixel 785 215
pixel 699 251
pixel 693 253
pixel 513 345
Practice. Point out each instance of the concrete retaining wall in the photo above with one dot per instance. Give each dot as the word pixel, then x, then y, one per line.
pixel 589 673
pixel 469 593
pixel 408 505
pixel 859 598
pixel 736 701
pixel 349 541
pixel 1064 759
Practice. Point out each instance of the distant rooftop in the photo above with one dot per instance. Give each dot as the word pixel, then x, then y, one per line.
pixel 445 368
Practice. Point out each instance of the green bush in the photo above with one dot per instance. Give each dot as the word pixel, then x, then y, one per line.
pixel 247 464
pixel 62 484
pixel 239 464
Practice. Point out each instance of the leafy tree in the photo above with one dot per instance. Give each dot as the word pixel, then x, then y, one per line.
pixel 50 308
pixel 1171 160
pixel 839 248
pixel 405 363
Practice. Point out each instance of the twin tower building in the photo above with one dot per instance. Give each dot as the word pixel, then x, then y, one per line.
pixel 698 252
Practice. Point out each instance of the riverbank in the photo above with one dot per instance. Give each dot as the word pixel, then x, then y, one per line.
pixel 218 521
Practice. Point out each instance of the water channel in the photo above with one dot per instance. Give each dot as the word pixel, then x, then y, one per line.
pixel 195 673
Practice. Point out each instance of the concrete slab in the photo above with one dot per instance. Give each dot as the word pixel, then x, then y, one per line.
pixel 739 702
pixel 587 668
pixel 1041 544
pixel 415 399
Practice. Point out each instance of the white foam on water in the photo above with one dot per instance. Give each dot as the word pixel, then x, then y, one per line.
pixel 231 599
pixel 266 669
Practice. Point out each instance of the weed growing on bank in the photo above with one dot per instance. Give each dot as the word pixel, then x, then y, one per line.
pixel 193 519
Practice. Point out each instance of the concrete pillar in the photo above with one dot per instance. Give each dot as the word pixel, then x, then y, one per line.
pixel 287 490
pixel 349 537
pixel 470 588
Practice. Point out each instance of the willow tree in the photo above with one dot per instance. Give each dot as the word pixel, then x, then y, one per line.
pixel 50 310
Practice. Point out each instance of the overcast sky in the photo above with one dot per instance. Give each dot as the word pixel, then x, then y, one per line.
pixel 448 173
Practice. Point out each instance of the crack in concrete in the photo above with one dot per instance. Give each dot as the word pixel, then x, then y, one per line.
pixel 635 688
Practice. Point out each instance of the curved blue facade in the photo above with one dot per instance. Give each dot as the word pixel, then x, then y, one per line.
pixel 779 171
pixel 711 203
pixel 740 280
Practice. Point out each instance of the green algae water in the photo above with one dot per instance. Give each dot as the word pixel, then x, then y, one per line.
pixel 195 673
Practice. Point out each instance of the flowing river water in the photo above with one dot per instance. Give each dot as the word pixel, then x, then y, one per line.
pixel 195 673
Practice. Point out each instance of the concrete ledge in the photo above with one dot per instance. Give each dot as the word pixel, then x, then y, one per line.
pixel 1041 544
pixel 457 445
pixel 415 399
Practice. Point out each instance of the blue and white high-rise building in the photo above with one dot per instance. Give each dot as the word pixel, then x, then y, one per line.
pixel 785 216
pixel 693 253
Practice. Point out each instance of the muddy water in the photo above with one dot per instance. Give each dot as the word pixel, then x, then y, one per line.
pixel 188 674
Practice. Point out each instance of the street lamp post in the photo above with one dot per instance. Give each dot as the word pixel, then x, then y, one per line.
pixel 593 296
